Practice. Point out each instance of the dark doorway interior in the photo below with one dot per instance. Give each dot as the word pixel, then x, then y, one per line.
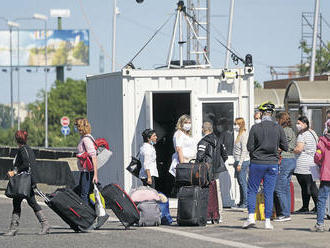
pixel 167 108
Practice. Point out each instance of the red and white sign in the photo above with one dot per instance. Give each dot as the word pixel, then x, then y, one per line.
pixel 65 121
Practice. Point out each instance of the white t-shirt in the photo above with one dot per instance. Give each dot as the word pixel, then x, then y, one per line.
pixel 148 161
pixel 306 158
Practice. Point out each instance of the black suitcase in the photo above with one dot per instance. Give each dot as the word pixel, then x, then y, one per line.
pixel 70 207
pixel 188 174
pixel 192 206
pixel 121 204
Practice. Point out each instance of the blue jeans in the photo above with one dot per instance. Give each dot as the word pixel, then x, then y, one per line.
pixel 85 185
pixel 268 172
pixel 282 187
pixel 324 191
pixel 242 182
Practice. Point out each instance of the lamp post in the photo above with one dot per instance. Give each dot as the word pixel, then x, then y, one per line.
pixel 114 31
pixel 11 25
pixel 44 19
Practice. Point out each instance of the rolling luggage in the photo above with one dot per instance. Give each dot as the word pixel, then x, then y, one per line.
pixel 69 206
pixel 292 197
pixel 121 204
pixel 213 204
pixel 192 206
pixel 188 174
pixel 149 213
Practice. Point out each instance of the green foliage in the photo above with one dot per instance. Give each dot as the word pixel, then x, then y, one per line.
pixel 257 84
pixel 4 116
pixel 80 52
pixel 322 59
pixel 64 99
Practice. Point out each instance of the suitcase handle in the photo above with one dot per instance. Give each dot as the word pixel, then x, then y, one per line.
pixel 42 195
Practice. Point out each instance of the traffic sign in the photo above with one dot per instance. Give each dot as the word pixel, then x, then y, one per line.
pixel 65 130
pixel 65 121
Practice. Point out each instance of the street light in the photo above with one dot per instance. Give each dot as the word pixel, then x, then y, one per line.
pixel 11 25
pixel 44 19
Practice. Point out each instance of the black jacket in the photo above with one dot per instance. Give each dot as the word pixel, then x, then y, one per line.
pixel 264 140
pixel 24 160
pixel 211 151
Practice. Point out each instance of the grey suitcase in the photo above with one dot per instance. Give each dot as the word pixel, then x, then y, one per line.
pixel 150 214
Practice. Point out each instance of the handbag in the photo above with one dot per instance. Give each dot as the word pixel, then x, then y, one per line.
pixel 103 154
pixel 134 166
pixel 20 185
pixel 188 174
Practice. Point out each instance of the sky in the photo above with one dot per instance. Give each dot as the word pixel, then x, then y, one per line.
pixel 270 30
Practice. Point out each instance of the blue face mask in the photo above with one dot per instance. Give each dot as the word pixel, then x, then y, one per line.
pixel 152 143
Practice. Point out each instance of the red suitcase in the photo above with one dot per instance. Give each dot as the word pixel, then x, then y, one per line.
pixel 213 205
pixel 292 196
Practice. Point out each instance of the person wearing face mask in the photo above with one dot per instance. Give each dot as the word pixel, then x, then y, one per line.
pixel 184 144
pixel 147 157
pixel 322 159
pixel 257 117
pixel 305 149
pixel 241 156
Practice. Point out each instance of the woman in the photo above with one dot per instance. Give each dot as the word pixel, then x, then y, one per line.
pixel 22 162
pixel 241 157
pixel 184 145
pixel 149 170
pixel 286 168
pixel 86 144
pixel 322 158
pixel 305 150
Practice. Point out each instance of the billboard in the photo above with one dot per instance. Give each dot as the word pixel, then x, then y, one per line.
pixel 64 47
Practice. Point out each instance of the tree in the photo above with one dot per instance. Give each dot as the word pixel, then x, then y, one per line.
pixel 4 116
pixel 322 59
pixel 257 85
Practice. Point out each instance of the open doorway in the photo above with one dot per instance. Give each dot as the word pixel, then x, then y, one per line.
pixel 167 108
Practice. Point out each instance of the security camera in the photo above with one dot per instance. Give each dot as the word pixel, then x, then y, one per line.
pixel 139 1
pixel 248 69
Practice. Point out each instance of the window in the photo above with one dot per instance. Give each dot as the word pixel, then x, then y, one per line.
pixel 221 115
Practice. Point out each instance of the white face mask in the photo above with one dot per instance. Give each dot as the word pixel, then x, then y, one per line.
pixel 299 127
pixel 186 126
pixel 257 121
pixel 236 128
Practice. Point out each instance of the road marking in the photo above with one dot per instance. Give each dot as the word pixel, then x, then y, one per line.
pixel 203 238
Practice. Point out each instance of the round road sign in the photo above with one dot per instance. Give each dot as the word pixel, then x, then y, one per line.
pixel 65 121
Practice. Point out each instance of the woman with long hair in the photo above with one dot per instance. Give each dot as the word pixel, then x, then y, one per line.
pixel 184 145
pixel 305 149
pixel 23 163
pixel 241 156
pixel 286 169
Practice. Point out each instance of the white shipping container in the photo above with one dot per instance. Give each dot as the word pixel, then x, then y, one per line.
pixel 121 105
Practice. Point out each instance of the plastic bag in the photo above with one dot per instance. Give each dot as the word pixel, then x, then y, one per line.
pixel 99 209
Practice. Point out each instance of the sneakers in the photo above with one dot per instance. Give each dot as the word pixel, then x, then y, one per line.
pixel 282 219
pixel 318 228
pixel 100 221
pixel 268 226
pixel 249 223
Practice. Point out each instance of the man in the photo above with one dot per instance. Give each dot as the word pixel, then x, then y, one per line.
pixel 211 151
pixel 264 142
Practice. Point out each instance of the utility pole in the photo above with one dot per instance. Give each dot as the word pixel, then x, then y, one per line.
pixel 229 32
pixel 59 69
pixel 316 17
pixel 114 31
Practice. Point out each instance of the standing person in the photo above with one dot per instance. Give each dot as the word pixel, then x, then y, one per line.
pixel 322 158
pixel 241 156
pixel 86 144
pixel 22 162
pixel 286 169
pixel 207 152
pixel 264 141
pixel 184 144
pixel 147 156
pixel 305 150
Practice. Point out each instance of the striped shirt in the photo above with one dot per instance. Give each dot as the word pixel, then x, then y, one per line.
pixel 306 158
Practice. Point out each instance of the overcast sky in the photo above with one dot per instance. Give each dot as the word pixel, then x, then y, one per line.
pixel 270 30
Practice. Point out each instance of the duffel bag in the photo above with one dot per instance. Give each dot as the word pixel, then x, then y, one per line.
pixel 188 174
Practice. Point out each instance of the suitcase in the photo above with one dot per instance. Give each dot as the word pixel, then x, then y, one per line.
pixel 292 197
pixel 149 213
pixel 69 206
pixel 260 207
pixel 192 206
pixel 188 174
pixel 121 204
pixel 213 204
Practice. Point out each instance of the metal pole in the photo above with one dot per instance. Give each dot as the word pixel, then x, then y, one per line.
pixel 18 86
pixel 114 25
pixel 188 31
pixel 229 32
pixel 181 39
pixel 173 40
pixel 46 92
pixel 59 69
pixel 316 16
pixel 11 80
pixel 208 20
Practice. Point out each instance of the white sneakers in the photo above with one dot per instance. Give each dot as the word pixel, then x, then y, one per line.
pixel 268 225
pixel 250 222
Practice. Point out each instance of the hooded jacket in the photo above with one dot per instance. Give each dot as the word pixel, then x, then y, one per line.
pixel 209 152
pixel 322 158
